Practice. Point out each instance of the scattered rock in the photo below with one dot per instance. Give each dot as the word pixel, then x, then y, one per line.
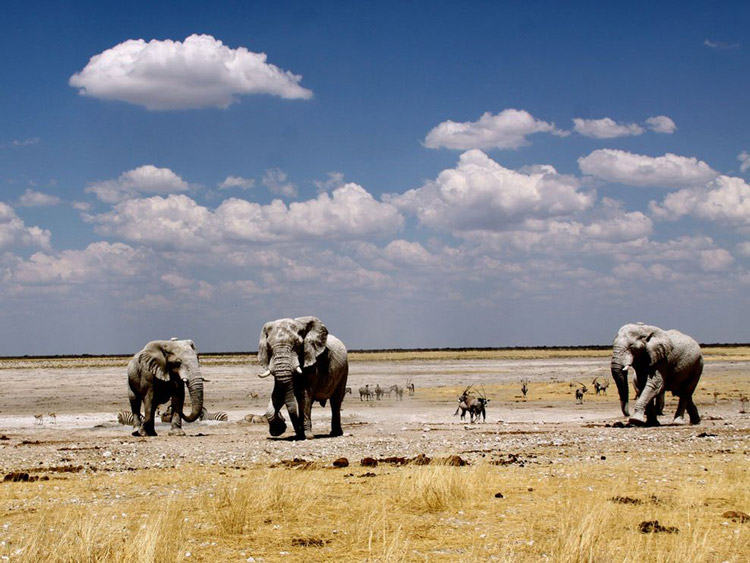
pixel 18 476
pixel 706 435
pixel 309 542
pixel 368 474
pixel 499 495
pixel 626 500
pixel 454 461
pixel 296 463
pixel 618 424
pixel 653 527
pixel 4 437
pixel 421 459
pixel 368 462
pixel 341 462
pixel 736 516
pixel 393 460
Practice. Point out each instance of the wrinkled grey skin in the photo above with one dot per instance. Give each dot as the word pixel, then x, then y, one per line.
pixel 159 373
pixel 663 360
pixel 307 364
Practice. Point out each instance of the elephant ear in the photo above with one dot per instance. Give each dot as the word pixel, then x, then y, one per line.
pixel 315 334
pixel 263 346
pixel 658 345
pixel 153 358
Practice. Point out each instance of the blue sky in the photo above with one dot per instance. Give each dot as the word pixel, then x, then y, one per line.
pixel 421 174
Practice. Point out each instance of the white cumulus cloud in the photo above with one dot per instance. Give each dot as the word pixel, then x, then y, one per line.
pixel 237 182
pixel 167 75
pixel 146 179
pixel 724 200
pixel 278 183
pixel 661 124
pixel 32 198
pixel 506 130
pixel 480 194
pixel 605 128
pixel 744 158
pixel 178 221
pixel 98 262
pixel 614 224
pixel 174 221
pixel 13 231
pixel 668 171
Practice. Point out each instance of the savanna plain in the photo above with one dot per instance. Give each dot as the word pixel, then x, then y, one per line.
pixel 542 479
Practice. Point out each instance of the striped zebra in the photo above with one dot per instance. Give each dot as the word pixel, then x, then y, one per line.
pixel 205 415
pixel 218 415
pixel 127 418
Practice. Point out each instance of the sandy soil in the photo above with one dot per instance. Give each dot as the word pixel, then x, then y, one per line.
pixel 84 434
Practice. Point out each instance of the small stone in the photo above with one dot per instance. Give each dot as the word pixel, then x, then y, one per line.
pixel 341 462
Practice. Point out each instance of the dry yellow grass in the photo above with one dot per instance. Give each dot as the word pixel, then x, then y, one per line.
pixel 563 512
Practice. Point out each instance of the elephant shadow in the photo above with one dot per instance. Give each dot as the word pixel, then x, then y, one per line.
pixel 295 438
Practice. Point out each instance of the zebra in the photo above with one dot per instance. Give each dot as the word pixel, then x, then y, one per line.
pixel 127 418
pixel 219 416
pixel 378 392
pixel 365 393
pixel 398 390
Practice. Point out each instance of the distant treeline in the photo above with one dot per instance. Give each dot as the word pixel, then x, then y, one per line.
pixel 378 351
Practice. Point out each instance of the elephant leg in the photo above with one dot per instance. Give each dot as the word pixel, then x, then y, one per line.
pixel 135 408
pixel 660 399
pixel 679 414
pixel 645 406
pixel 149 409
pixel 336 400
pixel 695 418
pixel 651 410
pixel 292 407
pixel 178 400
pixel 304 400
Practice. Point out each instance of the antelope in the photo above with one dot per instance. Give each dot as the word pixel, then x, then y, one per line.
pixel 38 418
pixel 475 405
pixel 524 387
pixel 579 392
pixel 410 386
pixel 600 387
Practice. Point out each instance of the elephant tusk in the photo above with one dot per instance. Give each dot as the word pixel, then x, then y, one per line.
pixel 265 374
pixel 298 370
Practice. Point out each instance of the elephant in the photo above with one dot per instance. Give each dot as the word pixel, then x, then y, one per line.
pixel 663 360
pixel 308 364
pixel 159 373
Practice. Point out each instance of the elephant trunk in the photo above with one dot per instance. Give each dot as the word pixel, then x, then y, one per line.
pixel 283 364
pixel 195 388
pixel 621 359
